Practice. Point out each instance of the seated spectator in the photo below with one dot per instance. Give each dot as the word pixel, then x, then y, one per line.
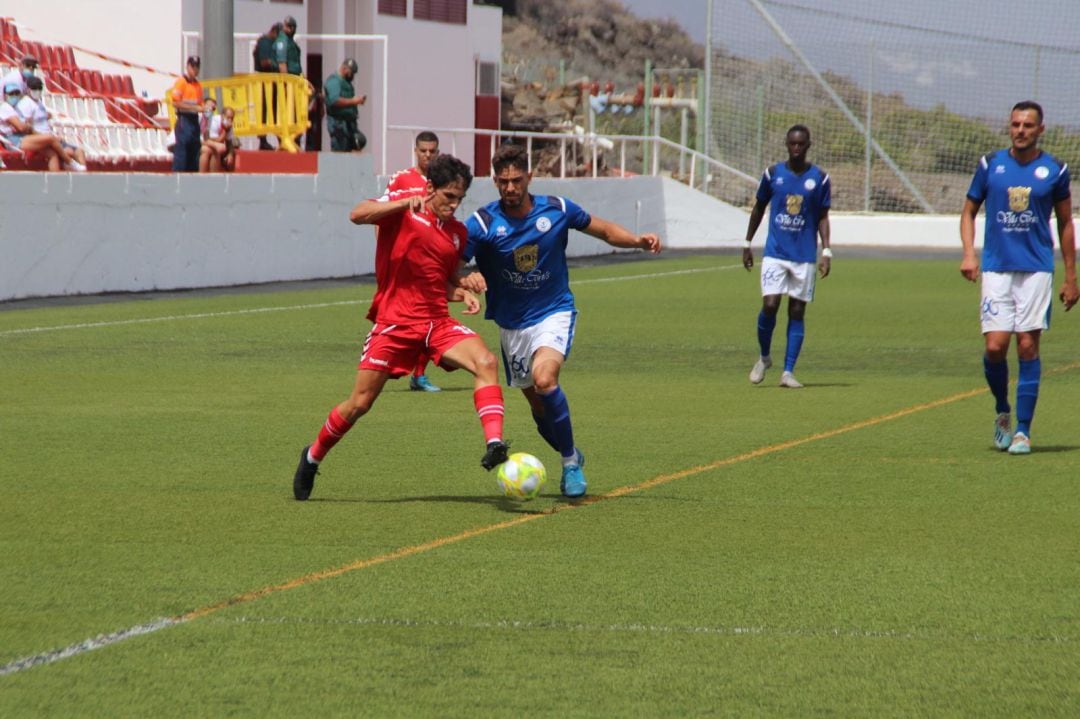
pixel 219 148
pixel 21 74
pixel 207 116
pixel 18 134
pixel 33 110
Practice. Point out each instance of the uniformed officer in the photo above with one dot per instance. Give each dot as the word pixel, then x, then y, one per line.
pixel 341 109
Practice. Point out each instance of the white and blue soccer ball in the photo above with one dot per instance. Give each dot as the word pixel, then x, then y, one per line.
pixel 521 476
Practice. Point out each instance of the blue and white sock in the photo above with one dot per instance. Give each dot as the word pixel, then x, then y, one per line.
pixel 557 411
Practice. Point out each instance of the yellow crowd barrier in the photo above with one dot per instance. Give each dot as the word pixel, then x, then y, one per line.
pixel 265 103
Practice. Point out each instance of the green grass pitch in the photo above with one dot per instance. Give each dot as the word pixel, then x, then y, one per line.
pixel 855 548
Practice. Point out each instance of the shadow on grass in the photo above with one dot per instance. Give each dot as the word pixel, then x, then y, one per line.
pixel 501 503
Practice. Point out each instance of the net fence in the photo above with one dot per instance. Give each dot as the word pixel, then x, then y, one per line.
pixel 901 98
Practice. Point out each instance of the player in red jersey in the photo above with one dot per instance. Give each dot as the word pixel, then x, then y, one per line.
pixel 425 147
pixel 420 245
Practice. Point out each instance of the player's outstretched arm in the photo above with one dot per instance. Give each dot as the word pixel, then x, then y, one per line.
pixel 1067 238
pixel 618 236
pixel 369 212
pixel 969 266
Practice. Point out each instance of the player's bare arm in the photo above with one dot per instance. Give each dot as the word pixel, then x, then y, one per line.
pixel 1067 238
pixel 371 211
pixel 756 215
pixel 618 236
pixel 460 294
pixel 470 279
pixel 969 266
pixel 824 232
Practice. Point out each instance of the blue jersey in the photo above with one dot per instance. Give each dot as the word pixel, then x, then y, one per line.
pixel 1019 200
pixel 795 208
pixel 523 259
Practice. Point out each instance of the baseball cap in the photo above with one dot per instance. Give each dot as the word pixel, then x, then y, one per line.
pixel 290 21
pixel 12 89
pixel 351 64
pixel 194 60
pixel 30 60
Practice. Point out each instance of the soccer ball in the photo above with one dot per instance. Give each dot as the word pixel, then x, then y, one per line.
pixel 521 476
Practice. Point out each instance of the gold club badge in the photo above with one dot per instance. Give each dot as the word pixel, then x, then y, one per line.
pixel 525 257
pixel 1019 198
pixel 794 204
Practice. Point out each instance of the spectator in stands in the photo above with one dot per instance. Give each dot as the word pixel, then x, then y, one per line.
pixel 19 75
pixel 219 149
pixel 32 109
pixel 187 98
pixel 207 117
pixel 341 110
pixel 18 134
pixel 264 62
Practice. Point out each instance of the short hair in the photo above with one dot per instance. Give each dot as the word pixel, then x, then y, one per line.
pixel 275 29
pixel 510 155
pixel 427 136
pixel 1029 105
pixel 444 169
pixel 798 128
pixel 34 83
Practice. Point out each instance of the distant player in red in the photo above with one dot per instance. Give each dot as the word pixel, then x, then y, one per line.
pixel 426 147
pixel 418 253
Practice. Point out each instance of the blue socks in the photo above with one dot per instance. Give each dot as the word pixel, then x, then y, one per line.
pixel 795 333
pixel 765 325
pixel 1027 393
pixel 543 426
pixel 557 415
pixel 997 376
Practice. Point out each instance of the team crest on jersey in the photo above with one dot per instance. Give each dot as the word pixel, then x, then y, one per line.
pixel 810 184
pixel 526 257
pixel 999 169
pixel 1042 172
pixel 794 204
pixel 543 224
pixel 1019 198
pixel 500 230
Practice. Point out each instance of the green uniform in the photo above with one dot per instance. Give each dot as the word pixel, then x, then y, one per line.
pixel 338 88
pixel 264 54
pixel 287 51
pixel 345 136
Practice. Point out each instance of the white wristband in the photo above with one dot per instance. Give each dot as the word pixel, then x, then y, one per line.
pixel 827 252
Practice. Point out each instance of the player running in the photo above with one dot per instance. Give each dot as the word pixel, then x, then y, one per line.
pixel 797 195
pixel 425 147
pixel 519 243
pixel 419 250
pixel 1021 186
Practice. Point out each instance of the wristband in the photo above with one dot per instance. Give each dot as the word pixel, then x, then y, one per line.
pixel 827 252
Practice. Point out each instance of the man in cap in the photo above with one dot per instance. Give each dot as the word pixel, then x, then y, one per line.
pixel 19 75
pixel 341 112
pixel 286 51
pixel 187 99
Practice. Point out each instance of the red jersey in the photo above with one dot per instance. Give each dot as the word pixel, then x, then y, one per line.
pixel 407 180
pixel 416 254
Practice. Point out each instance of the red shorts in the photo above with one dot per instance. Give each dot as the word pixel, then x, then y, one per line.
pixel 395 349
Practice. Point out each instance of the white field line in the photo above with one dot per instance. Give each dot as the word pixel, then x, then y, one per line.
pixel 733 631
pixel 102 640
pixel 319 305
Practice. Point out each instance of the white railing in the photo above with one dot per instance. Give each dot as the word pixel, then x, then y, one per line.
pixel 593 146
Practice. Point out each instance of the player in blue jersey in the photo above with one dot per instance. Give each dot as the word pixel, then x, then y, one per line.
pixel 519 243
pixel 797 196
pixel 1021 186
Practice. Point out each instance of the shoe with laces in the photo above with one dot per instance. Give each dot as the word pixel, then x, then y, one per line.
pixel 496 454
pixel 788 380
pixel 573 481
pixel 304 479
pixel 1003 433
pixel 758 372
pixel 1020 444
pixel 420 383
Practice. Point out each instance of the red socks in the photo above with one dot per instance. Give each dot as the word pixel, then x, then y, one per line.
pixel 334 429
pixel 489 405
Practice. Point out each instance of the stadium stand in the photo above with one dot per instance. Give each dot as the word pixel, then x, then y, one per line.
pixel 101 112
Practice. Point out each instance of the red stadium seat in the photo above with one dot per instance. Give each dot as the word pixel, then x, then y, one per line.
pixel 67 58
pixel 50 58
pixel 127 86
pixel 97 82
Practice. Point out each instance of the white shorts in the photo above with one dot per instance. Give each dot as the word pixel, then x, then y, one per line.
pixel 784 277
pixel 518 346
pixel 1016 301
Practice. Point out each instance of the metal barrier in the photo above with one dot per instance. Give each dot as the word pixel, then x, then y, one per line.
pixel 265 103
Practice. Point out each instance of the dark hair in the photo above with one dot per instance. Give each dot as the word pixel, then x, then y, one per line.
pixel 444 169
pixel 509 155
pixel 798 128
pixel 34 83
pixel 275 29
pixel 427 136
pixel 1029 105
